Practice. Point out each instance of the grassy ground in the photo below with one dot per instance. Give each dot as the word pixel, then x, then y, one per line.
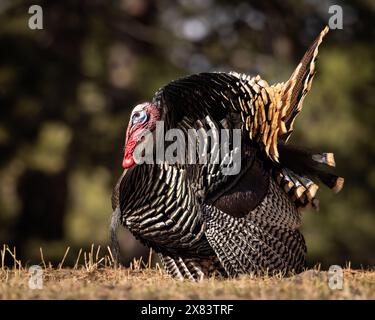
pixel 97 278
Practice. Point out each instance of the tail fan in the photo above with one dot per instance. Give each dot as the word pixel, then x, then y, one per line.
pixel 296 88
pixel 300 172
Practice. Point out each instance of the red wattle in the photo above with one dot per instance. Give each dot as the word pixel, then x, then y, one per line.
pixel 127 162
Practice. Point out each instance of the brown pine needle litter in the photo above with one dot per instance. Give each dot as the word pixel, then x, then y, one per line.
pixel 96 276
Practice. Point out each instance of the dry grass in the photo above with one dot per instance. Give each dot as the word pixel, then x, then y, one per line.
pixel 96 277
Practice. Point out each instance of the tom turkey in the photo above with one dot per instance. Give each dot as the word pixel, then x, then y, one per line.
pixel 202 221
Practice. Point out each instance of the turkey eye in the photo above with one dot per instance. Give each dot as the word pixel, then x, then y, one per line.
pixel 139 117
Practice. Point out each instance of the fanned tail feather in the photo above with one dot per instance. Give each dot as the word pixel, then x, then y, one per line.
pixel 300 172
pixel 295 89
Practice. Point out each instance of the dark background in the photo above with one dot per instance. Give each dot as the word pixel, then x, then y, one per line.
pixel 66 92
